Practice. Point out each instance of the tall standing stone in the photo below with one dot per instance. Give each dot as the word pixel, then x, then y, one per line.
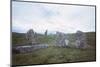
pixel 30 36
pixel 61 40
pixel 46 32
pixel 81 40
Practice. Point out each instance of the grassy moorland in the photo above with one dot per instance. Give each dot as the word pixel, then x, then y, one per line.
pixel 54 54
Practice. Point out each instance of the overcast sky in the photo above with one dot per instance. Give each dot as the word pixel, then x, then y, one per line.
pixel 52 17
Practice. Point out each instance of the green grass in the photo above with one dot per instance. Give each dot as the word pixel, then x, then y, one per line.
pixel 46 39
pixel 54 55
pixel 19 38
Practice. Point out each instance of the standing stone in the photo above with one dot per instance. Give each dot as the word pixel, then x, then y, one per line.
pixel 81 40
pixel 61 39
pixel 31 36
pixel 46 33
pixel 66 42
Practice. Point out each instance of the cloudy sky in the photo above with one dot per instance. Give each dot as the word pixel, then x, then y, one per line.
pixel 52 17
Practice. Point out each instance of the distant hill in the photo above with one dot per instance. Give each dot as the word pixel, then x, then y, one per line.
pixel 18 35
pixel 18 38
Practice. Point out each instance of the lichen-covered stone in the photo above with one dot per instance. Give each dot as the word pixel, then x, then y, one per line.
pixel 80 40
pixel 61 39
pixel 31 36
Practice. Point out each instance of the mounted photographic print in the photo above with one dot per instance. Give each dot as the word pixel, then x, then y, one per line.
pixel 52 33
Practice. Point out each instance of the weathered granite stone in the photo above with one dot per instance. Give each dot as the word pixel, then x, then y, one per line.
pixel 31 36
pixel 80 40
pixel 46 32
pixel 66 42
pixel 61 40
pixel 28 48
